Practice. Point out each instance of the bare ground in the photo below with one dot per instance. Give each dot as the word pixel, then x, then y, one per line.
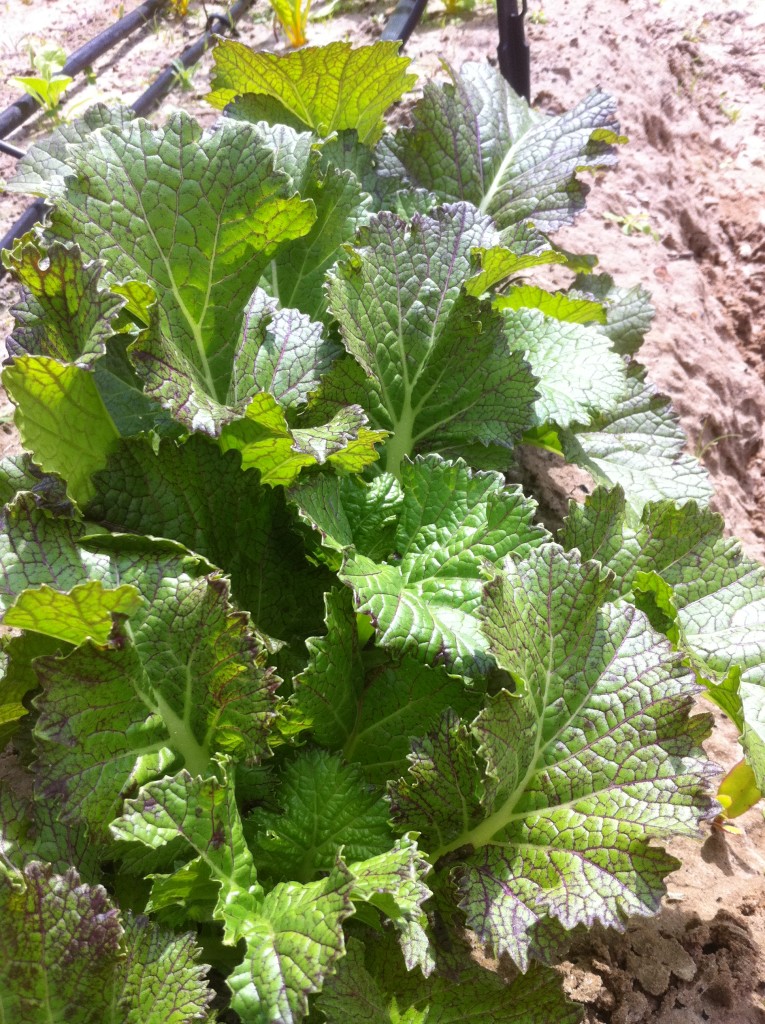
pixel 690 80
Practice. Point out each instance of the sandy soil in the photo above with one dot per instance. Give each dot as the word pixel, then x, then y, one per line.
pixel 690 80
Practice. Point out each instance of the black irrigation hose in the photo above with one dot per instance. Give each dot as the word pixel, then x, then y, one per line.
pixel 145 102
pixel 216 23
pixel 25 106
pixel 404 19
pixel 513 50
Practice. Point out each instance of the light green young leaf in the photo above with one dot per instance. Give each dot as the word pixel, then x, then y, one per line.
pixel 475 139
pixel 62 419
pixel 86 612
pixel 183 681
pixel 423 598
pixel 328 88
pixel 439 368
pixel 325 807
pixel 639 446
pixel 268 444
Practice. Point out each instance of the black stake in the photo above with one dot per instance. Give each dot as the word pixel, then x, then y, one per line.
pixel 513 50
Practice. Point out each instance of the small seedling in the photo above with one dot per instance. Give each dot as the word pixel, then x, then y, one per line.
pixel 633 222
pixel 184 76
pixel 48 86
pixel 454 7
pixel 538 16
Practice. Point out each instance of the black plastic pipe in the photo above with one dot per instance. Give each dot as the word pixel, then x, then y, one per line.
pixel 161 86
pixel 25 106
pixel 404 19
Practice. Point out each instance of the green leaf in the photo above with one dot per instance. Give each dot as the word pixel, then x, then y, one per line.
pixel 717 593
pixel 577 375
pixel 61 940
pixel 500 264
pixel 629 312
pixel 475 139
pixel 268 444
pixel 424 598
pixel 184 681
pixel 440 797
pixel 291 354
pixel 327 88
pixel 210 212
pixel 638 445
pixel 66 957
pixel 293 944
pixel 293 936
pixel 558 305
pixel 379 992
pixel 593 758
pixel 369 707
pixel 200 497
pixel 63 313
pixel 324 807
pixel 297 274
pixel 48 163
pixel 394 883
pixel 62 419
pixel 454 379
pixel 86 612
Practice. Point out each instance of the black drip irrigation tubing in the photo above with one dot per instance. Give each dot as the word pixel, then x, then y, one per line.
pixel 404 19
pixel 145 102
pixel 25 106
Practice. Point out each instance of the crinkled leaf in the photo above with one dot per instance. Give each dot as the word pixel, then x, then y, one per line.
pixel 293 935
pixel 439 367
pixel 475 139
pixel 290 353
pixel 48 163
pixel 19 473
pixel 629 312
pixel 67 957
pixel 160 981
pixel 61 940
pixel 62 419
pixel 639 446
pixel 183 682
pixel 351 512
pixel 393 881
pixel 440 796
pixel 85 613
pixel 196 215
pixel 268 444
pixel 718 594
pixel 63 312
pixel 593 758
pixel 499 264
pixel 294 940
pixel 324 806
pixel 378 991
pixel 328 88
pixel 577 374
pixel 423 599
pixel 200 497
pixel 204 814
pixel 367 707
